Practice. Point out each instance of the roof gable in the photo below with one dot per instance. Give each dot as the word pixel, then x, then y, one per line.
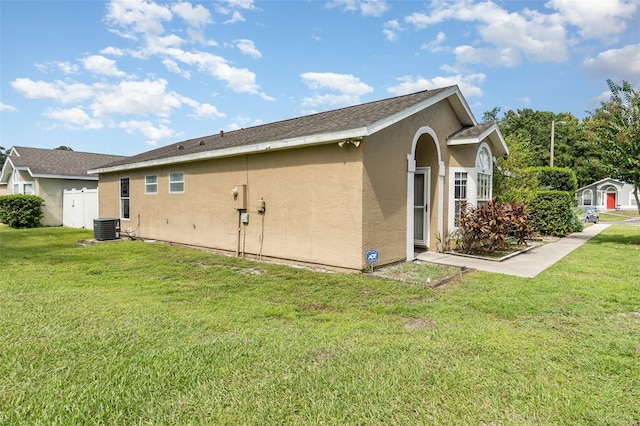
pixel 353 122
pixel 52 163
pixel 478 133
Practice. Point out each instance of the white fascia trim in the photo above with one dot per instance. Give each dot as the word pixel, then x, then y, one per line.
pixel 472 139
pixel 311 140
pixel 599 183
pixel 4 176
pixel 453 92
pixel 67 177
pixel 492 133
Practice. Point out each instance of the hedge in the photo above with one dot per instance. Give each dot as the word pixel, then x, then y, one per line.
pixel 550 179
pixel 553 214
pixel 21 211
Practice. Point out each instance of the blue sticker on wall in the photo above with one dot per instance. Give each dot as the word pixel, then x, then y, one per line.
pixel 372 256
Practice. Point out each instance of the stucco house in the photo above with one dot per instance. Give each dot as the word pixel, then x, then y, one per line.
pixel 322 189
pixel 47 173
pixel 608 194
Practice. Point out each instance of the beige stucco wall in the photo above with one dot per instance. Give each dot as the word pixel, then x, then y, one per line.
pixel 51 190
pixel 313 199
pixel 385 178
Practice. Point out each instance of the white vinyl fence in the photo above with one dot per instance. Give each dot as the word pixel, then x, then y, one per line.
pixel 79 207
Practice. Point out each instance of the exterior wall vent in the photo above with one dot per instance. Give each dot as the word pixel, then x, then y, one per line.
pixel 105 229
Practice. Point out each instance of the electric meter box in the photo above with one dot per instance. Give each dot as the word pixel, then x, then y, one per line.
pixel 241 198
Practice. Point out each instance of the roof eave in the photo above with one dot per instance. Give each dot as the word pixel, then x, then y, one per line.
pixel 319 139
pixel 498 144
pixel 68 177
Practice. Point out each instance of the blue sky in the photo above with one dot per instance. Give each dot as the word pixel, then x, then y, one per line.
pixel 126 76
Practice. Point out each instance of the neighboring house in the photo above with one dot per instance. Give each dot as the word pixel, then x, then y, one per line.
pixel 47 173
pixel 323 189
pixel 608 194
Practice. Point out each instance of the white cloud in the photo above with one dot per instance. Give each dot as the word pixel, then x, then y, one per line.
pixel 151 133
pixel 348 87
pixel 366 7
pixel 236 17
pixel 506 57
pixel 134 97
pixel 137 16
pixel 373 7
pixel 391 29
pixel 173 66
pixel 208 111
pixel 435 45
pixel 67 67
pixel 623 63
pixel 195 16
pixel 234 8
pixel 112 51
pixel 248 47
pixel 7 108
pixel 596 19
pixel 74 118
pixel 58 91
pixel 509 36
pixel 468 84
pixel 238 79
pixel 98 64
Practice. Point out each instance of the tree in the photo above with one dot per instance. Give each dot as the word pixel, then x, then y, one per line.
pixel 615 132
pixel 63 148
pixel 3 156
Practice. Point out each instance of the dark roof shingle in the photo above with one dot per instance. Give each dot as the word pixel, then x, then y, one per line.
pixel 348 118
pixel 55 162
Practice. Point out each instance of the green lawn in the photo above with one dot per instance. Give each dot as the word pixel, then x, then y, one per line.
pixel 126 333
pixel 616 215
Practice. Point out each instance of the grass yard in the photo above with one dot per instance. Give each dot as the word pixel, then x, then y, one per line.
pixel 128 333
pixel 617 215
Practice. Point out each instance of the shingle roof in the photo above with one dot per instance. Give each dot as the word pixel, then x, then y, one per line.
pixel 472 131
pixel 53 162
pixel 354 117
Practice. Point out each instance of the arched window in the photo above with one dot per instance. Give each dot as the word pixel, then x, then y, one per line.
pixel 484 169
pixel 587 197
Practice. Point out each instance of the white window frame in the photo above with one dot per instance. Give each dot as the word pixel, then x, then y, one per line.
pixel 484 176
pixel 584 193
pixel 171 181
pixel 148 186
pixel 20 186
pixel 124 198
pixel 471 192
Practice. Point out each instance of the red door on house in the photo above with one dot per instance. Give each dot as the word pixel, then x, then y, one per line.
pixel 611 200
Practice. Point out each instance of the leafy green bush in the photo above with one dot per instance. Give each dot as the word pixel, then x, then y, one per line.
pixel 550 179
pixel 553 213
pixel 21 211
pixel 493 225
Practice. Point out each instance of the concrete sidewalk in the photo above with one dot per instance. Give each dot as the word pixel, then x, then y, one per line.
pixel 528 264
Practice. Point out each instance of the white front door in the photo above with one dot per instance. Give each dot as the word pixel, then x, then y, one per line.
pixel 421 195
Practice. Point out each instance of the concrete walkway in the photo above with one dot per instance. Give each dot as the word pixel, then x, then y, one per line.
pixel 528 264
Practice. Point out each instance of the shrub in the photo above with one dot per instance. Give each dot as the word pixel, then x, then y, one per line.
pixel 553 213
pixel 21 211
pixel 550 179
pixel 493 225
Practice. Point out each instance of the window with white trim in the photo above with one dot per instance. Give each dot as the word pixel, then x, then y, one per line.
pixel 484 170
pixel 587 197
pixel 176 183
pixel 125 199
pixel 22 187
pixel 151 184
pixel 459 195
